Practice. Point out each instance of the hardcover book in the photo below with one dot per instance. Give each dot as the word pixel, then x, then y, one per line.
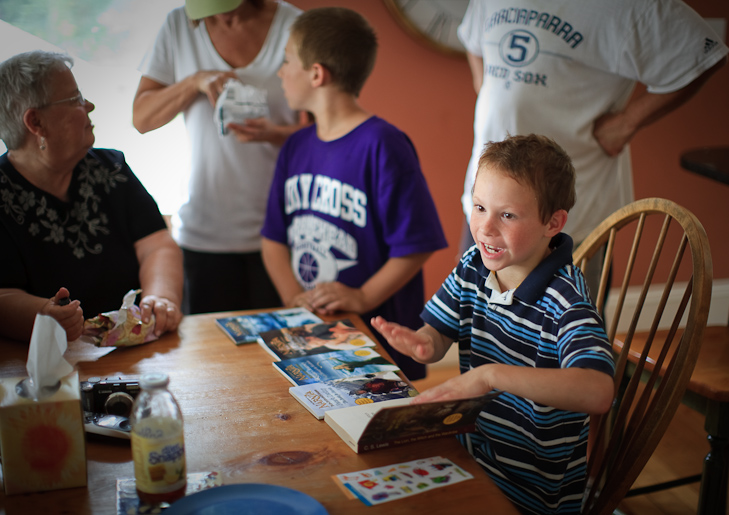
pixel 319 398
pixel 319 368
pixel 313 338
pixel 247 328
pixel 377 426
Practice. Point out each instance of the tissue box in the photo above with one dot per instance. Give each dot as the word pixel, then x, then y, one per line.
pixel 42 442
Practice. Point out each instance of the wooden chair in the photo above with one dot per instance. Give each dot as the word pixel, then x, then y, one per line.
pixel 649 385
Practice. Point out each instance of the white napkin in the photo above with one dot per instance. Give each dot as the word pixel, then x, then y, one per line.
pixel 46 365
pixel 239 102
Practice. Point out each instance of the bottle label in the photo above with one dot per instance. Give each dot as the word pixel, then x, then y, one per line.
pixel 158 449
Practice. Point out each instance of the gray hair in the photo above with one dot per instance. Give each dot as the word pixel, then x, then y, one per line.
pixel 25 83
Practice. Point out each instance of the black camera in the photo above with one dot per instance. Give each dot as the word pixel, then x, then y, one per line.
pixel 113 395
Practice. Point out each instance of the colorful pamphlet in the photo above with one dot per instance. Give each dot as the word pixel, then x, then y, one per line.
pixel 319 398
pixel 246 328
pixel 313 338
pixel 319 368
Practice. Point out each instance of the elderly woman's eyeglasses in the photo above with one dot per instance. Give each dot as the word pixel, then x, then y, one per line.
pixel 76 100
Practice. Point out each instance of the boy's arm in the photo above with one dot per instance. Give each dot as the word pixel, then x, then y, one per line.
pixel 573 389
pixel 328 298
pixel 277 260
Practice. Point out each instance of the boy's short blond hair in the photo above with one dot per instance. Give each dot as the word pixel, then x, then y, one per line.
pixel 339 39
pixel 538 162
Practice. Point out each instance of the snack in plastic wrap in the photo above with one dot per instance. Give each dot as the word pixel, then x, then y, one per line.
pixel 122 328
pixel 238 102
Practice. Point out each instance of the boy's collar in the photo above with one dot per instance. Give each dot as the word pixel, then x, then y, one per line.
pixel 533 287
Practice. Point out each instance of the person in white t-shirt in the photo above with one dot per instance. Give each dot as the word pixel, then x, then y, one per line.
pixel 197 51
pixel 567 69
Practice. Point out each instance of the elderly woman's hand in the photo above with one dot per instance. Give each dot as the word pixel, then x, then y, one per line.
pixel 167 314
pixel 66 312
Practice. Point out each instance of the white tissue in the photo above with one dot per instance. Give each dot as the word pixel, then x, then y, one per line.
pixel 238 102
pixel 46 365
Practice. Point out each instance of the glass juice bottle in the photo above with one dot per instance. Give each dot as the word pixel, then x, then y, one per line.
pixel 158 445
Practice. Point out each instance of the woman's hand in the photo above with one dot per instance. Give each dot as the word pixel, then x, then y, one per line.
pixel 66 312
pixel 212 83
pixel 167 314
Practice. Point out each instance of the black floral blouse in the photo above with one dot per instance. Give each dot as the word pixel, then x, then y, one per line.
pixel 85 244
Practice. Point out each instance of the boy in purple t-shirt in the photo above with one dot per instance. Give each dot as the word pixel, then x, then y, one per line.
pixel 350 220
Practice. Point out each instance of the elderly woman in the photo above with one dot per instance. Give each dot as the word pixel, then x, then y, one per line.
pixel 74 220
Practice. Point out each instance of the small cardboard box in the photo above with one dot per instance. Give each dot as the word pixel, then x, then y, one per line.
pixel 42 444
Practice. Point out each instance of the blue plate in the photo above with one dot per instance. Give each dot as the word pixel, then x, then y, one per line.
pixel 247 499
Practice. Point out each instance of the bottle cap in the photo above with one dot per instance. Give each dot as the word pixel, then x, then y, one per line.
pixel 155 380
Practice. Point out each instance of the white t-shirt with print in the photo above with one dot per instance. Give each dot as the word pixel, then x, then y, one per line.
pixel 553 67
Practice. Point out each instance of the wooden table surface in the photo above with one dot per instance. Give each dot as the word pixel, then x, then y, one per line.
pixel 241 421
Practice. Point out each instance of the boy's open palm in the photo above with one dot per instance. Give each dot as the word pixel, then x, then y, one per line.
pixel 405 340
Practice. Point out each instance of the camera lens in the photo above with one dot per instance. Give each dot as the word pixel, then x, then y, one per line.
pixel 119 403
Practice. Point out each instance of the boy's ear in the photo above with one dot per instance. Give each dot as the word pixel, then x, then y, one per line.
pixel 556 223
pixel 320 76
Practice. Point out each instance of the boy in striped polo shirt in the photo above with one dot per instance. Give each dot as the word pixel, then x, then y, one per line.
pixel 524 323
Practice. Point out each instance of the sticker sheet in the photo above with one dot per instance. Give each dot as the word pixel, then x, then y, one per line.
pixel 383 484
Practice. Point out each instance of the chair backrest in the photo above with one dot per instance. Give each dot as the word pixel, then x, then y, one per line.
pixel 658 233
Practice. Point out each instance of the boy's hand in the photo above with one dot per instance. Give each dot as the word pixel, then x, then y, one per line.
pixel 300 300
pixel 471 384
pixel 328 298
pixel 405 340
pixel 66 312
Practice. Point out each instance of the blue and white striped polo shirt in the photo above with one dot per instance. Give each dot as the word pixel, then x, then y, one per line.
pixel 536 454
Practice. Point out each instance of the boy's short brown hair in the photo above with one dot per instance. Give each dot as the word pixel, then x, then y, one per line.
pixel 339 39
pixel 538 162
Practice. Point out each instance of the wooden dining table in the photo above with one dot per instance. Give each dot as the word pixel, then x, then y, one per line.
pixel 241 422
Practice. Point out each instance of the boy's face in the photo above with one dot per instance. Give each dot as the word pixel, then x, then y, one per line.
pixel 507 227
pixel 294 78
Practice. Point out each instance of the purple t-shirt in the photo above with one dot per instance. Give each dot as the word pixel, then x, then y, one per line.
pixel 345 207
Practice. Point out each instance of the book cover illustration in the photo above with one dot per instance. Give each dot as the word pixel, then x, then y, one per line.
pixel 370 427
pixel 352 391
pixel 314 338
pixel 247 328
pixel 382 484
pixel 319 368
